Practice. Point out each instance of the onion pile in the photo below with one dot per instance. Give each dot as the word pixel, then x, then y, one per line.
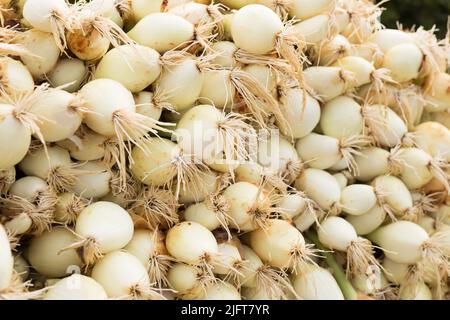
pixel 236 150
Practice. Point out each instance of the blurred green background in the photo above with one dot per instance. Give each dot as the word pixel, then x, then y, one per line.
pixel 417 12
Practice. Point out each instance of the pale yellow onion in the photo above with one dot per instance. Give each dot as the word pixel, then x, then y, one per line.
pixel 316 283
pixel 341 179
pixel 224 54
pixel 60 114
pixel 329 82
pixel 41 162
pixel 321 187
pixel 145 105
pixel 434 138
pixel 363 69
pixel 386 39
pixel 264 75
pixel 357 199
pixel 173 31
pixel 394 193
pixel 191 243
pixel 279 156
pixel 384 124
pixel 122 275
pixel 6 260
pixel 85 145
pixel 404 61
pixel 320 151
pixel 304 9
pixel 16 79
pixel 314 29
pixel 104 97
pixel 439 96
pixel 221 291
pixel 15 138
pixel 341 117
pixel 93 181
pixel 68 73
pixel 261 26
pixel 185 279
pixel 299 119
pixel 402 241
pixel 134 66
pixel 368 221
pixel 331 50
pixel 279 244
pixel 182 83
pixel 372 162
pixel 45 255
pixel 155 167
pixel 243 198
pixel 44 52
pixel 209 181
pixel 107 224
pixel 76 287
pixel 41 14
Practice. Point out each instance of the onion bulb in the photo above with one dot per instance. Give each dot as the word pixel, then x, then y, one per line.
pixel 45 255
pixel 336 233
pixel 102 227
pixel 123 276
pixel 281 245
pixel 76 287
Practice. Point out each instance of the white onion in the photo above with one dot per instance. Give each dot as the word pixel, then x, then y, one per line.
pixel 45 52
pixel 329 82
pixel 103 227
pixel 337 233
pixel 249 206
pixel 7 178
pixel 136 67
pixel 12 129
pixel 43 15
pixel 93 181
pixel 386 39
pixel 317 284
pixel 406 242
pixel 68 73
pixel 16 79
pixel 433 138
pixel 300 113
pixel 173 31
pixel 321 187
pixel 372 162
pixel 45 255
pixel 76 287
pixel 221 291
pixel 280 245
pixel 368 221
pixel 191 243
pixel 149 247
pixel 60 112
pixel 393 194
pixel 6 260
pixel 357 199
pixel 384 124
pixel 122 275
pixel 182 83
pixel 404 61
